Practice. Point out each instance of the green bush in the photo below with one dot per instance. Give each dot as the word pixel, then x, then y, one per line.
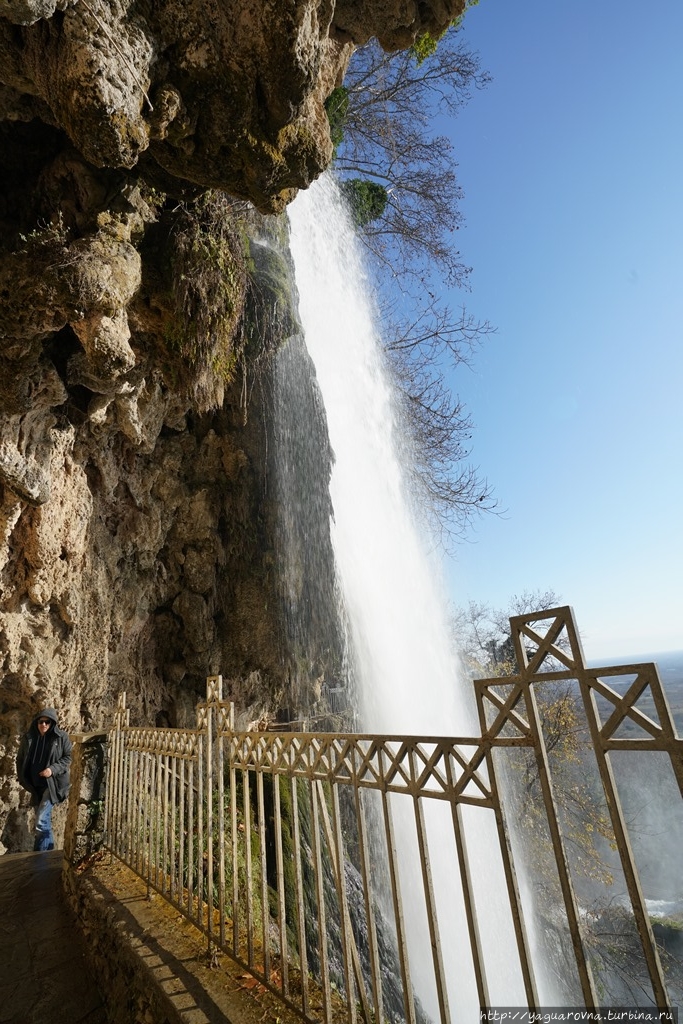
pixel 337 108
pixel 366 199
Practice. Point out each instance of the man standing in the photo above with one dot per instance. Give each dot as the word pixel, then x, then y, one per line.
pixel 43 765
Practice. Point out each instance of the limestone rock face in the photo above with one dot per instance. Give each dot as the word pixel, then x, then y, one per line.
pixel 137 523
pixel 227 95
pixel 395 23
pixel 136 533
pixel 141 301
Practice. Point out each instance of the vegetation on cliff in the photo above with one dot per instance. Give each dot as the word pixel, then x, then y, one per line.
pixel 208 280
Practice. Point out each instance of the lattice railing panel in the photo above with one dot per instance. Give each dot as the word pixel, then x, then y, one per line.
pixel 548 650
pixel 263 838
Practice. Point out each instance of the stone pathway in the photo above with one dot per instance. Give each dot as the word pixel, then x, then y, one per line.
pixel 43 975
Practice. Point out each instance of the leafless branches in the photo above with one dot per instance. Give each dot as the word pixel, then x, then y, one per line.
pixel 393 102
pixel 385 120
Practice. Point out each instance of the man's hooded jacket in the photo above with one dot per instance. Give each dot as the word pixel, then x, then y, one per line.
pixel 51 751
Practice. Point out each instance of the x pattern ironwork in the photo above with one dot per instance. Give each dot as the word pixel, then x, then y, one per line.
pixel 548 649
pixel 623 709
pixel 438 768
pixel 177 742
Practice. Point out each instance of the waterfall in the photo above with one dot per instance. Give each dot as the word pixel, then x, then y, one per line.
pixel 397 615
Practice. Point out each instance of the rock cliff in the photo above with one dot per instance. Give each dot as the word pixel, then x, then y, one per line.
pixel 141 144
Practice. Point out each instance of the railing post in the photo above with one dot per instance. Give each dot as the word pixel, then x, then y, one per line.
pixel 221 825
pixel 200 822
pixel 261 812
pixel 568 894
pixel 208 751
pixel 320 897
pixel 112 822
pixel 363 853
pixel 467 892
pixel 190 840
pixel 510 872
pixel 408 1001
pixel 234 839
pixel 303 952
pixel 432 921
pixel 246 821
pixel 158 777
pixel 279 868
pixel 173 782
pixel 149 822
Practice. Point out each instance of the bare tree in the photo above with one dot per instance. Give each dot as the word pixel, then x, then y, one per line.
pixel 421 352
pixel 401 182
pixel 385 113
pixel 482 633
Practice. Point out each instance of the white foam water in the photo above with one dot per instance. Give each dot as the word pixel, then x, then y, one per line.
pixel 407 673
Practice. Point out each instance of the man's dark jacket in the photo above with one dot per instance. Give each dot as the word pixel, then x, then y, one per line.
pixel 58 761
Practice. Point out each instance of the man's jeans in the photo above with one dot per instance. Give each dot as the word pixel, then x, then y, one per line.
pixel 44 838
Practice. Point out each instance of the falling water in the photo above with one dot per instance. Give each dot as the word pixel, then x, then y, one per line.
pixel 398 616
pixel 406 670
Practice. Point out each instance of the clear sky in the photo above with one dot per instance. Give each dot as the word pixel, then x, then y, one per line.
pixel 572 165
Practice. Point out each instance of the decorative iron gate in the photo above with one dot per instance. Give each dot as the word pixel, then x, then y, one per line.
pixel 303 856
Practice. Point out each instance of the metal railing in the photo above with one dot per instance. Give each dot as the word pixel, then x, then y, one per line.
pixel 322 863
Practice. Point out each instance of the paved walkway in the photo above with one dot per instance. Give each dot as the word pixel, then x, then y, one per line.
pixel 43 975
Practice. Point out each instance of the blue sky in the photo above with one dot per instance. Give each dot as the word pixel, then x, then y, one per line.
pixel 572 166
